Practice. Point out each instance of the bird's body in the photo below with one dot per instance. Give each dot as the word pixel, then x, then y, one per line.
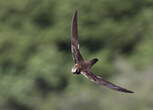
pixel 82 66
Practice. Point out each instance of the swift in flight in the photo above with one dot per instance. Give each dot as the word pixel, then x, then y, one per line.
pixel 83 66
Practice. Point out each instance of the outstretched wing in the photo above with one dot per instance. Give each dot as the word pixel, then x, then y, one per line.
pixel 74 40
pixel 99 80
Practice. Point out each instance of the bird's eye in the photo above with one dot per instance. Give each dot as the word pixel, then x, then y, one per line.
pixel 77 71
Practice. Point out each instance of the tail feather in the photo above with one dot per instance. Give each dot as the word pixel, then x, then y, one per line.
pixel 92 62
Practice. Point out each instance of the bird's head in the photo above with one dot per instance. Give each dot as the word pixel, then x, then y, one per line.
pixel 75 69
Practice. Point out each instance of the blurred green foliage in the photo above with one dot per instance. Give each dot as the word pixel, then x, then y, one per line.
pixel 35 57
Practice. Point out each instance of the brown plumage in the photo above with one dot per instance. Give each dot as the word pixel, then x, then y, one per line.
pixel 83 66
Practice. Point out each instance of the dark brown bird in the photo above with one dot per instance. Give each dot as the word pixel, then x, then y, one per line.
pixel 83 66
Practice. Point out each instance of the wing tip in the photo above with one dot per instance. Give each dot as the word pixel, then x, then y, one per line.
pixel 74 27
pixel 76 11
pixel 75 14
pixel 125 90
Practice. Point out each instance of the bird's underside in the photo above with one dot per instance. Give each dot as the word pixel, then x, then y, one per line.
pixel 82 66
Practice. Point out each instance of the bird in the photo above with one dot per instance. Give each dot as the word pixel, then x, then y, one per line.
pixel 82 66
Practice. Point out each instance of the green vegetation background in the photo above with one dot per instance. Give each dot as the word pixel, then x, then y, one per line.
pixel 35 57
